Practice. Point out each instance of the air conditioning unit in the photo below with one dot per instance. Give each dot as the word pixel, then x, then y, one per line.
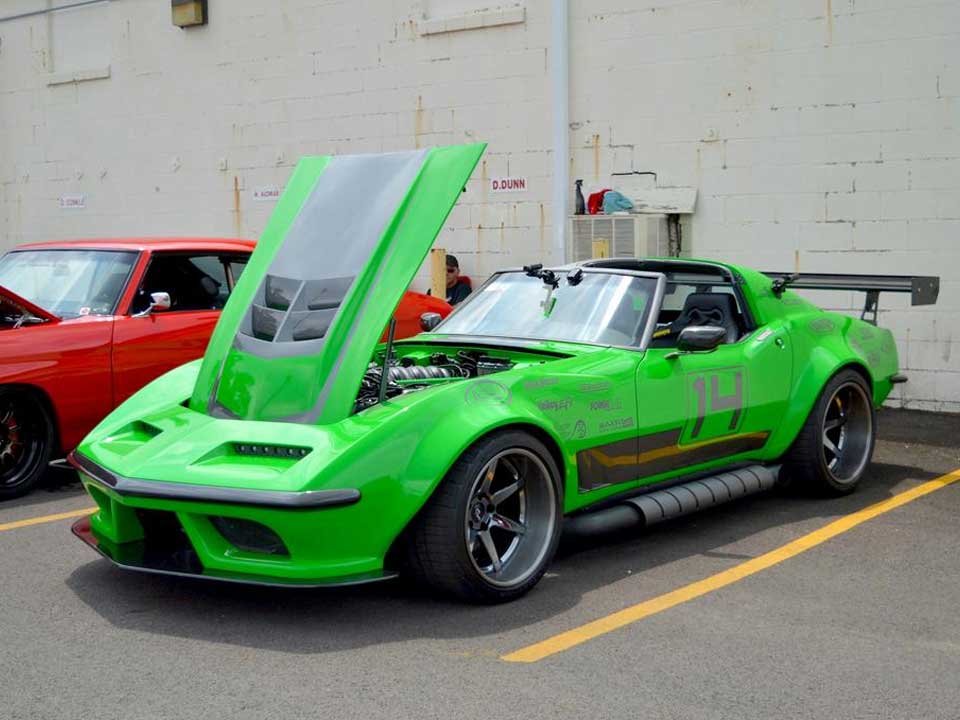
pixel 617 236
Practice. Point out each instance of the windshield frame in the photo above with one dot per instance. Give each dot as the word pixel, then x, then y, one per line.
pixel 562 272
pixel 135 254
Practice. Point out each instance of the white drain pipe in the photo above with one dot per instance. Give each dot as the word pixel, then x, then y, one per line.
pixel 560 76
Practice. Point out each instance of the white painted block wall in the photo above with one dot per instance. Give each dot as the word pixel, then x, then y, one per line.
pixel 821 134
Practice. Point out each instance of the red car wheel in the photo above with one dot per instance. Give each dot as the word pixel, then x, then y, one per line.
pixel 26 441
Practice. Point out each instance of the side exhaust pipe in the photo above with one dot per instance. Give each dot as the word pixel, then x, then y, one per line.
pixel 682 499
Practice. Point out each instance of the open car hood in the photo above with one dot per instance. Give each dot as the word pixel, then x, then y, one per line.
pixel 20 305
pixel 343 244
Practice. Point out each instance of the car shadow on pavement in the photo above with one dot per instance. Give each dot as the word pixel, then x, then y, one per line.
pixel 320 621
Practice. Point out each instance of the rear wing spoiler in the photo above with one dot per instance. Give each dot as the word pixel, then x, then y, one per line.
pixel 923 289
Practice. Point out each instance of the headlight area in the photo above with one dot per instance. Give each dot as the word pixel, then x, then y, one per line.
pixel 249 535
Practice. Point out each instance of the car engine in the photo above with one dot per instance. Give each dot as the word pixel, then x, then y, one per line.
pixel 405 375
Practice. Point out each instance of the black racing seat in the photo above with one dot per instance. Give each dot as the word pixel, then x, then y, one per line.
pixel 714 309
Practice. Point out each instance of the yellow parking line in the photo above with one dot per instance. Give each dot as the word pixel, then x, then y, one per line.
pixel 576 636
pixel 45 519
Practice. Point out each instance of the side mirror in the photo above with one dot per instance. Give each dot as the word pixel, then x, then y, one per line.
pixel 159 301
pixel 699 338
pixel 429 320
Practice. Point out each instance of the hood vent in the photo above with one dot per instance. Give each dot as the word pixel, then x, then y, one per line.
pixel 271 451
pixel 290 310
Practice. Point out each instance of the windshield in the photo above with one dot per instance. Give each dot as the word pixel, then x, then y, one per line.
pixel 603 308
pixel 68 283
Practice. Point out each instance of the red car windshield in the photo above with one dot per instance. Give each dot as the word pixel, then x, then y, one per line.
pixel 68 283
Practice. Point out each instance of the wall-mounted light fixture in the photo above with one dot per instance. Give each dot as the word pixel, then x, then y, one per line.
pixel 187 13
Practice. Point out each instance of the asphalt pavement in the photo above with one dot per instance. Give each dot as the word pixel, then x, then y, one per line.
pixel 860 625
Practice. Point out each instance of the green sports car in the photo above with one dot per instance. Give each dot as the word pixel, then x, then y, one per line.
pixel 302 451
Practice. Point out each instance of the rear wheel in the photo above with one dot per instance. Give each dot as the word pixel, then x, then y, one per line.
pixel 493 524
pixel 26 441
pixel 834 447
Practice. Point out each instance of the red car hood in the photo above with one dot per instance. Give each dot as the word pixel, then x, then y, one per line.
pixel 11 298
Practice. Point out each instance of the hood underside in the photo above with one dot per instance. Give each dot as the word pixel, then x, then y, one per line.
pixel 343 244
pixel 19 305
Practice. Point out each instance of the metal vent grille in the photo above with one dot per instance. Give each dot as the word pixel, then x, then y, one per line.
pixel 622 235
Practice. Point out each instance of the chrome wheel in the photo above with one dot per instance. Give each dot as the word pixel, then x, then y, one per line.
pixel 510 517
pixel 847 432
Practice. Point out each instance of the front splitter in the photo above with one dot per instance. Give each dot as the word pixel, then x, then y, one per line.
pixel 135 556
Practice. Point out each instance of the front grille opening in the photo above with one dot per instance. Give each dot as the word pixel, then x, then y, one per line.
pixel 161 528
pixel 249 535
pixel 165 543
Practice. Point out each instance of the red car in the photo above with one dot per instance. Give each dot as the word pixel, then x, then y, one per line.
pixel 85 324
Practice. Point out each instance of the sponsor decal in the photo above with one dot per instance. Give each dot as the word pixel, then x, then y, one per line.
pixel 606 405
pixel 618 424
pixel 539 383
pixel 580 430
pixel 555 405
pixel 595 387
pixel 487 392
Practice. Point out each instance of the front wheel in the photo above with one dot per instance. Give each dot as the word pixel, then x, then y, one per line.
pixel 834 446
pixel 26 441
pixel 493 524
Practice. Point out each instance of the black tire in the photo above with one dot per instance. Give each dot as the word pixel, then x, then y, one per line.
pixel 834 447
pixel 26 441
pixel 446 547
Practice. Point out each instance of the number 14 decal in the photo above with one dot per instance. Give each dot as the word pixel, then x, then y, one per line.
pixel 715 394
